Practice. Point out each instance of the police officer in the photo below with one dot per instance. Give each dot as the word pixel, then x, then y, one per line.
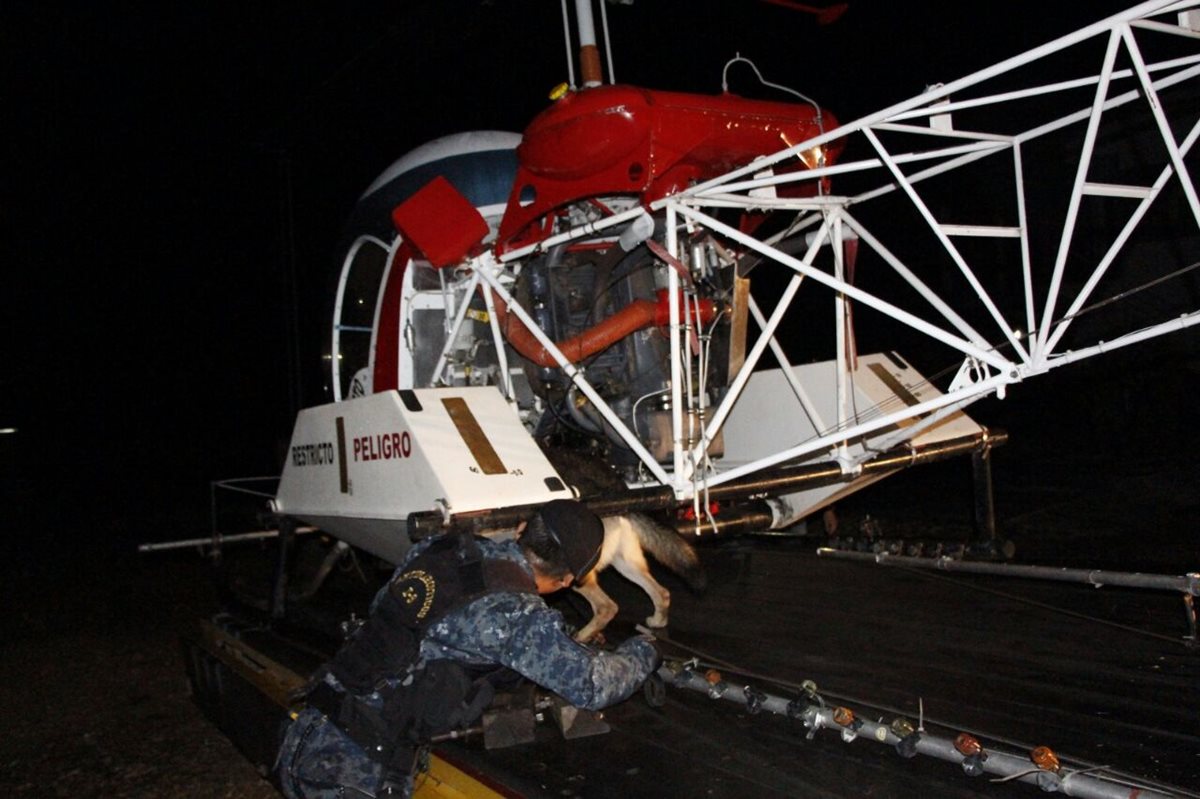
pixel 459 614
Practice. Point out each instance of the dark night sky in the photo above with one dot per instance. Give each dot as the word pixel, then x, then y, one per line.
pixel 157 150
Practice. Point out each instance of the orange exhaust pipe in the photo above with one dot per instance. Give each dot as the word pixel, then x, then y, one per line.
pixel 636 316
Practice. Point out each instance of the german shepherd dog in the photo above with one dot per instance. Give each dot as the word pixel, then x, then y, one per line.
pixel 626 540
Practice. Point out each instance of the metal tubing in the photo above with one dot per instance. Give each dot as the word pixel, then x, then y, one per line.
pixel 283 566
pixel 1187 583
pixel 814 475
pixel 1151 76
pixel 1026 259
pixel 806 403
pixel 589 56
pixel 1134 219
pixel 459 316
pixel 660 498
pixel 966 153
pixel 753 518
pixel 612 73
pixel 567 42
pixel 1057 87
pixel 1182 323
pixel 766 335
pixel 1189 610
pixel 948 313
pixel 841 321
pixel 429 523
pixel 876 423
pixel 805 268
pixel 932 96
pixel 675 350
pixel 216 540
pixel 1085 161
pixel 577 232
pixel 484 266
pixel 909 432
pixel 1164 125
pixel 985 506
pixel 923 209
pixel 815 717
pixel 501 350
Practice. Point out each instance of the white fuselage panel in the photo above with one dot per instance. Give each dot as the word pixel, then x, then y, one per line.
pixel 373 461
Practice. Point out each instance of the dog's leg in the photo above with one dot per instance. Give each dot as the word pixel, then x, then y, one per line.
pixel 603 608
pixel 634 567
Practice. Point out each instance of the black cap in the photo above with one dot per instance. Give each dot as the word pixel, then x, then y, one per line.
pixel 579 532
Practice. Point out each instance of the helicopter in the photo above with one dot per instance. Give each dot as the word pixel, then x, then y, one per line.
pixel 568 311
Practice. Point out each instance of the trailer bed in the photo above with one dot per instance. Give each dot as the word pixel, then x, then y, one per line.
pixel 876 638
pixel 885 642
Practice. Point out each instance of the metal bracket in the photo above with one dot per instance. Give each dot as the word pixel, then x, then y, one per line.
pixel 1189 608
pixel 510 720
pixel 576 722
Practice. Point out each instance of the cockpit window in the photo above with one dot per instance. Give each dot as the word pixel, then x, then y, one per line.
pixel 358 293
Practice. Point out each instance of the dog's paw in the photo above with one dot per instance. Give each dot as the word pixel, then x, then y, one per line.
pixel 596 639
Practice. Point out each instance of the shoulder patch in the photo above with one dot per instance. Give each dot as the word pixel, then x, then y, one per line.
pixel 416 589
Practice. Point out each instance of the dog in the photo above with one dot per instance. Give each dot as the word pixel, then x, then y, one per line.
pixel 626 540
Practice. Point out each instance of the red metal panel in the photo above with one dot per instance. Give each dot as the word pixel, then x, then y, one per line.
pixel 626 140
pixel 440 222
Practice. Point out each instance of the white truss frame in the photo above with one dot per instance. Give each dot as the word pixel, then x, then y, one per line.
pixel 985 368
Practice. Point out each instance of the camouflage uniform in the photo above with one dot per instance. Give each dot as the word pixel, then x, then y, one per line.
pixel 318 760
pixel 516 630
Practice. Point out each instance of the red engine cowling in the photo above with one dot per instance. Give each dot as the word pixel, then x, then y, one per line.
pixel 615 140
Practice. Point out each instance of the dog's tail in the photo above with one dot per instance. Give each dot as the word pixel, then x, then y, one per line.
pixel 670 549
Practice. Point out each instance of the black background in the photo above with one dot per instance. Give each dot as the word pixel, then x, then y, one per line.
pixel 177 176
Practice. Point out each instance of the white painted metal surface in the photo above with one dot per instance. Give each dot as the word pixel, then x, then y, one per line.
pixel 769 397
pixel 446 147
pixel 770 415
pixel 358 468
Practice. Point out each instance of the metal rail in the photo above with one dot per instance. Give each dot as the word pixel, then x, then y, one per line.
pixel 1040 767
pixel 775 481
pixel 1187 583
pixel 217 540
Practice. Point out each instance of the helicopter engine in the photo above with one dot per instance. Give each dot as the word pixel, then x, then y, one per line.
pixel 597 155
pixel 596 295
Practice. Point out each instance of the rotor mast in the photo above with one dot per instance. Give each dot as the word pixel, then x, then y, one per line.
pixel 591 70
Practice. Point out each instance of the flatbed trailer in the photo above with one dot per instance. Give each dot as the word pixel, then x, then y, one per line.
pixel 944 657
